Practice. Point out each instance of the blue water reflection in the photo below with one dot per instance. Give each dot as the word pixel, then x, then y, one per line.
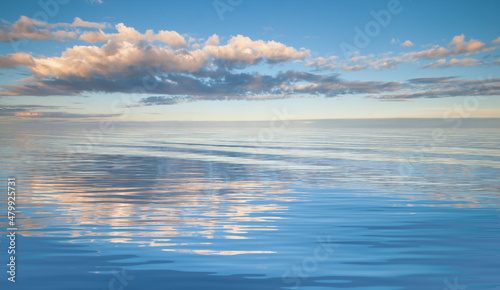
pixel 313 208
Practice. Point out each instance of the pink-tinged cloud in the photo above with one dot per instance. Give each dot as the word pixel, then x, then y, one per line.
pixel 243 50
pixel 457 46
pixel 78 22
pixel 210 70
pixel 16 59
pixel 441 63
pixel 212 40
pixel 129 34
pixel 126 58
pixel 27 114
pixel 407 43
pixel 28 28
pixel 356 63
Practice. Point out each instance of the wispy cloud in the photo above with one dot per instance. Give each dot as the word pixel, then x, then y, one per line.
pixel 457 46
pixel 4 109
pixel 444 87
pixel 28 28
pixel 160 100
pixel 355 63
pixel 441 63
pixel 406 43
pixel 62 115
pixel 43 111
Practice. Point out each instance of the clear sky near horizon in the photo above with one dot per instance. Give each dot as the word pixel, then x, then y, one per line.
pixel 245 60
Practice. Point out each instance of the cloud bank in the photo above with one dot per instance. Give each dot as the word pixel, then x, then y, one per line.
pixel 172 68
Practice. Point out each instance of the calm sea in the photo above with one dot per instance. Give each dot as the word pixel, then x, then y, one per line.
pixel 253 207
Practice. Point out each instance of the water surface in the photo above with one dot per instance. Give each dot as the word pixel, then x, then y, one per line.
pixel 224 208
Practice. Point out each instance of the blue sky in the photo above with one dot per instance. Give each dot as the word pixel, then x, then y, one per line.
pixel 242 60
